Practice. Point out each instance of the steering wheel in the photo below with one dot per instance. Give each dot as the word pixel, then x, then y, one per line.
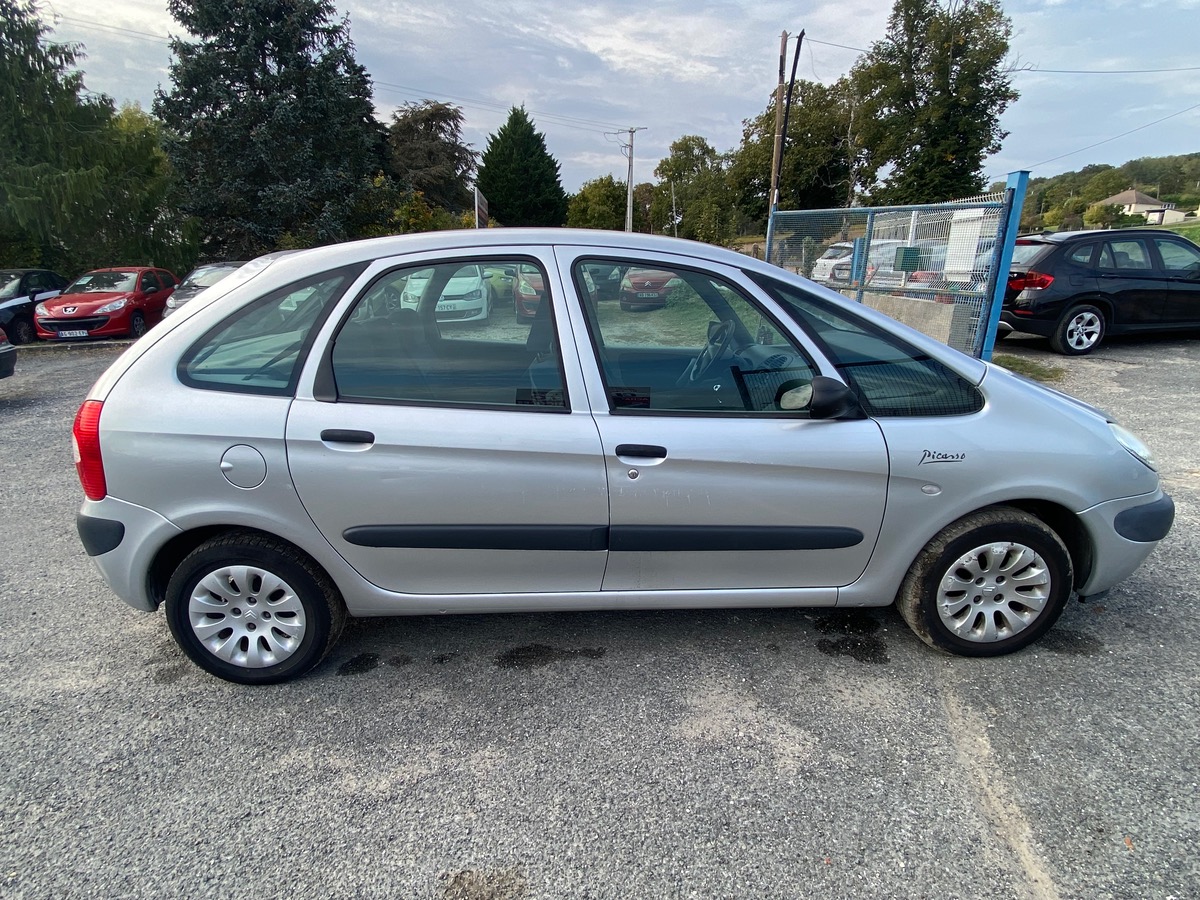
pixel 391 298
pixel 719 340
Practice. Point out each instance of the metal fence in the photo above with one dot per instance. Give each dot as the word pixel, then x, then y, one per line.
pixel 934 266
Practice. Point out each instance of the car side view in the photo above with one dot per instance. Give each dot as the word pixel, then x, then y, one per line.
pixel 116 302
pixel 317 451
pixel 1077 287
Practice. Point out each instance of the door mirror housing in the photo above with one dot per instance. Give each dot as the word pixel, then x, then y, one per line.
pixel 833 400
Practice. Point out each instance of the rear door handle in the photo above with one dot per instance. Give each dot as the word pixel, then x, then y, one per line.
pixel 347 436
pixel 642 451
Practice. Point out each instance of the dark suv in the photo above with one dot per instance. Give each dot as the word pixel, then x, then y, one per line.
pixel 1076 287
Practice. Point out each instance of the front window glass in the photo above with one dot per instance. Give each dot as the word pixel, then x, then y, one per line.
pixel 473 333
pixel 1178 257
pixel 9 285
pixel 890 377
pixel 102 282
pixel 259 349
pixel 674 339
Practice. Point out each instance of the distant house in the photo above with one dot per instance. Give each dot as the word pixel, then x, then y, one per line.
pixel 1135 203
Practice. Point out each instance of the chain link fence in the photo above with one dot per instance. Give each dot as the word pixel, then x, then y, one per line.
pixel 933 267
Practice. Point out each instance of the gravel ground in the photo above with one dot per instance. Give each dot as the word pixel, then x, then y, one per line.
pixel 637 754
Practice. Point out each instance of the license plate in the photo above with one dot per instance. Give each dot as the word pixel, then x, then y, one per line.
pixel 447 307
pixel 72 334
pixel 647 295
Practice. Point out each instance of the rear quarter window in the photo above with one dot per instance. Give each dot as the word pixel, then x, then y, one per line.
pixel 260 348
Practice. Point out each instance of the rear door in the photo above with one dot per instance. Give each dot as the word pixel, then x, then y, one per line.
pixel 453 457
pixel 1136 290
pixel 712 483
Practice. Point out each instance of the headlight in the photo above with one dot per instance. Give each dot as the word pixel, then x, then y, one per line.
pixel 41 310
pixel 1133 444
pixel 172 302
pixel 408 299
pixel 526 289
pixel 476 294
pixel 626 284
pixel 114 306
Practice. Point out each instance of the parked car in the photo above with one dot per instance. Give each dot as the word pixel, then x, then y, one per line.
pixel 464 296
pixel 822 270
pixel 528 290
pixel 1077 287
pixel 20 291
pixel 312 454
pixel 645 289
pixel 117 302
pixel 8 356
pixel 880 271
pixel 199 280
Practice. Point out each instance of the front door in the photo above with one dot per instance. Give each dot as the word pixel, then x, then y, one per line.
pixel 718 478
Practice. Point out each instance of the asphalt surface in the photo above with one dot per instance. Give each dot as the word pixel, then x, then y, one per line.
pixel 618 755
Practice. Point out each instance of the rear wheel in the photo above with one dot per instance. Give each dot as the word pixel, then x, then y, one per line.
pixel 1080 331
pixel 253 610
pixel 991 583
pixel 137 325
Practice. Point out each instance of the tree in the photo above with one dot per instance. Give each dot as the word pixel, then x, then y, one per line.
pixel 519 177
pixel 824 165
pixel 933 90
pixel 54 152
pixel 703 208
pixel 426 152
pixel 1101 215
pixel 272 129
pixel 600 203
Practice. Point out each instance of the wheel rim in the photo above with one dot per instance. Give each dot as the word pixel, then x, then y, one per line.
pixel 1083 330
pixel 247 616
pixel 138 327
pixel 994 592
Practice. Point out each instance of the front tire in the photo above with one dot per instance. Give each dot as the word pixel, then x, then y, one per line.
pixel 989 584
pixel 21 331
pixel 253 610
pixel 137 325
pixel 1080 331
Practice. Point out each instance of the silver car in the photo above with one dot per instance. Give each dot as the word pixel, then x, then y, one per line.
pixel 299 449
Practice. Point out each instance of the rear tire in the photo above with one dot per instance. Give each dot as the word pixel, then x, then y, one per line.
pixel 253 610
pixel 989 584
pixel 1080 331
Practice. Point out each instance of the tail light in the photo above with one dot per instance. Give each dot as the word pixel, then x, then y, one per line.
pixel 1029 281
pixel 85 440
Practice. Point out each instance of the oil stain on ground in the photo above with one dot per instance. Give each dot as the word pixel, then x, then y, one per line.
pixel 359 665
pixel 476 884
pixel 1071 643
pixel 534 656
pixel 856 636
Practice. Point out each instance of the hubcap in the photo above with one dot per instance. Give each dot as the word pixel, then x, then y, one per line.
pixel 247 616
pixel 994 592
pixel 1083 331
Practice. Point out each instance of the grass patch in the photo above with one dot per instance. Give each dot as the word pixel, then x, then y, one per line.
pixel 1190 230
pixel 1038 371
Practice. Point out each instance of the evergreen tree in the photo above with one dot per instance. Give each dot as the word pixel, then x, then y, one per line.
pixel 427 153
pixel 519 177
pixel 932 94
pixel 272 128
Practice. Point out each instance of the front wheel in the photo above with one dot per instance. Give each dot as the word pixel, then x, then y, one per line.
pixel 253 610
pixel 21 331
pixel 137 325
pixel 1080 331
pixel 991 583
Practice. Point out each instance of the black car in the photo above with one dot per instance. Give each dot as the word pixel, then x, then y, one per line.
pixel 8 356
pixel 1076 287
pixel 20 291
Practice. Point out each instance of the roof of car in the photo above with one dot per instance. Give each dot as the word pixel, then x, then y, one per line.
pixel 1058 237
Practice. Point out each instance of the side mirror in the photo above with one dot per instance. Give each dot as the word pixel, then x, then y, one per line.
pixel 833 400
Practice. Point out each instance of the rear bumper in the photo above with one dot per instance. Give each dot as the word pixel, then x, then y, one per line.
pixel 122 539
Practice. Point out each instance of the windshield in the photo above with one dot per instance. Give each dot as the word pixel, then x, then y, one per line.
pixel 99 282
pixel 10 283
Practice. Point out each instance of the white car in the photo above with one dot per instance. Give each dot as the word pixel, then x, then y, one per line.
pixel 466 297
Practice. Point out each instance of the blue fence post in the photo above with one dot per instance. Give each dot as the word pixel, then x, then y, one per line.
pixel 1017 183
pixel 770 232
pixel 859 274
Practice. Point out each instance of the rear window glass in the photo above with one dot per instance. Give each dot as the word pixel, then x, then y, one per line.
pixel 259 349
pixel 1026 252
pixel 890 376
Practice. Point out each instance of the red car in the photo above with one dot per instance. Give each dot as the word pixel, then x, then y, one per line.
pixel 643 289
pixel 528 290
pixel 116 302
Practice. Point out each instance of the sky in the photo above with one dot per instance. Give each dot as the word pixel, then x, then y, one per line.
pixel 586 72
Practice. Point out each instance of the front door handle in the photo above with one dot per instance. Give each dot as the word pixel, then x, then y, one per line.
pixel 642 451
pixel 347 436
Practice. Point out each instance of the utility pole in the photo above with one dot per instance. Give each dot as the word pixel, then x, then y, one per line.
pixel 627 149
pixel 773 197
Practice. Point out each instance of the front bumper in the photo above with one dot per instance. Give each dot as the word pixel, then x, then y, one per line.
pixel 1124 532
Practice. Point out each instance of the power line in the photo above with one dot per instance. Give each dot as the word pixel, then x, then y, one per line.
pixel 157 38
pixel 1036 70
